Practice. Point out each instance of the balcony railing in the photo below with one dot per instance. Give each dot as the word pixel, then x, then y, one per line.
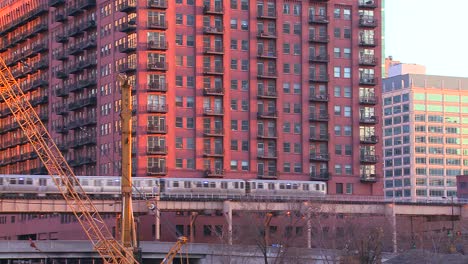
pixel 157 45
pixel 157 86
pixel 266 54
pixel 270 14
pixel 318 19
pixel 368 99
pixel 213 10
pixel 217 132
pixel 271 74
pixel 157 24
pixel 267 135
pixel 128 26
pixel 268 175
pixel 213 152
pixel 319 156
pixel 321 78
pixel 214 50
pixel 368 178
pixel 320 175
pixel 367 41
pixel 319 58
pixel 214 173
pixel 127 67
pixel 367 4
pixel 127 6
pixel 371 120
pixel 318 97
pixel 272 114
pixel 156 129
pixel 161 4
pixel 217 111
pixel 369 158
pixel 368 22
pixel 368 60
pixel 213 30
pixel 127 47
pixel 217 70
pixel 320 117
pixel 319 137
pixel 372 139
pixel 156 171
pixel 267 94
pixel 157 66
pixel 319 38
pixel 159 108
pixel 157 150
pixel 213 91
pixel 267 34
pixel 368 80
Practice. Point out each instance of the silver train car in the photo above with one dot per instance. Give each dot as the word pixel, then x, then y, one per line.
pixel 109 186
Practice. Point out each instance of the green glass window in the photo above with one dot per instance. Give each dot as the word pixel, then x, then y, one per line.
pixel 464 99
pixel 465 130
pixel 452 109
pixel 452 98
pixel 419 96
pixel 465 120
pixel 419 107
pixel 434 108
pixel 434 97
pixel 464 110
pixel 465 141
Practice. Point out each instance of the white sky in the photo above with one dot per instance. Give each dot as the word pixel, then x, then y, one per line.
pixel 433 33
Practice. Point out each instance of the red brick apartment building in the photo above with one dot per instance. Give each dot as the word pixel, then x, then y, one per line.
pixel 224 89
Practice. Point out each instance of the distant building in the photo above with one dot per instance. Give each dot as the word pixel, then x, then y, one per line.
pixel 425 133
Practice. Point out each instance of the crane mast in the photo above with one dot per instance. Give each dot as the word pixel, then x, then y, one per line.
pixel 61 173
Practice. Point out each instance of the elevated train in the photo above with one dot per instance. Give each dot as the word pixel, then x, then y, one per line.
pixel 109 186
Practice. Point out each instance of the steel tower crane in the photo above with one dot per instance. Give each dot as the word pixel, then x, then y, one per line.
pixel 61 173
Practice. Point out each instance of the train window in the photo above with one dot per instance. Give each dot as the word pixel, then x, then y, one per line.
pixel 317 187
pixel 12 180
pixel 205 184
pixel 29 181
pixel 21 181
pixel 242 185
pixel 253 185
pixel 175 184
pixel 271 186
pixel 212 185
pixel 295 186
pixel 1 181
pixel 42 182
pixel 223 185
pixel 281 186
pixel 236 185
pixel 98 182
pixel 85 182
pixel 198 184
pixel 187 184
pixel 305 186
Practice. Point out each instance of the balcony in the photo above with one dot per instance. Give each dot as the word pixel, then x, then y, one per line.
pixel 159 108
pixel 39 28
pixel 215 152
pixel 267 74
pixel 61 56
pixel 73 11
pixel 60 18
pixel 368 22
pixel 367 41
pixel 156 171
pixel 266 35
pixel 91 101
pixel 367 4
pixel 270 14
pixel 61 74
pixel 268 175
pixel 86 161
pixel 368 60
pixel 157 150
pixel 85 141
pixel 157 87
pixel 368 178
pixel 128 6
pixel 320 117
pixel 213 10
pixel 267 94
pixel 322 58
pixel 214 50
pixel 158 24
pixel 56 3
pixel 318 97
pixel 127 67
pixel 61 38
pixel 217 70
pixel 319 39
pixel 87 25
pixel 128 27
pixel 157 66
pixel 127 47
pixel 319 157
pixel 213 30
pixel 368 99
pixel 267 135
pixel 40 65
pixel 368 80
pixel 62 110
pixel 90 82
pixel 38 83
pixel 319 137
pixel 368 120
pixel 320 78
pixel 157 45
pixel 266 54
pixel 373 139
pixel 86 4
pixel 320 175
pixel 213 91
pixel 151 129
pixel 267 115
pixel 76 49
pixel 39 171
pixel 217 132
pixel 159 4
pixel 369 158
pixel 88 63
pixel 216 173
pixel 216 111
pixel 318 19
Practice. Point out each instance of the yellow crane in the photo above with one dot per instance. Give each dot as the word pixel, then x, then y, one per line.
pixel 110 250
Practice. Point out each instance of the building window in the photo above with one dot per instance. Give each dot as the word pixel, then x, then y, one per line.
pixel 337 72
pixel 349 188
pixel 234 145
pixel 179 163
pixel 234 125
pixel 234 165
pixel 339 188
pixel 245 165
pixel 286 167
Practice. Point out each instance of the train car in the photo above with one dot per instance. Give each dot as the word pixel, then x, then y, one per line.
pixel 280 188
pixel 26 185
pixel 202 188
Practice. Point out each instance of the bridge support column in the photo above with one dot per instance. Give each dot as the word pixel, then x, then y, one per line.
pixel 193 218
pixel 227 211
pixel 464 213
pixel 390 215
pixel 157 224
pixel 309 230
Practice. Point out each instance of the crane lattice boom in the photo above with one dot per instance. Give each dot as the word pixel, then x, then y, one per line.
pixel 94 226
